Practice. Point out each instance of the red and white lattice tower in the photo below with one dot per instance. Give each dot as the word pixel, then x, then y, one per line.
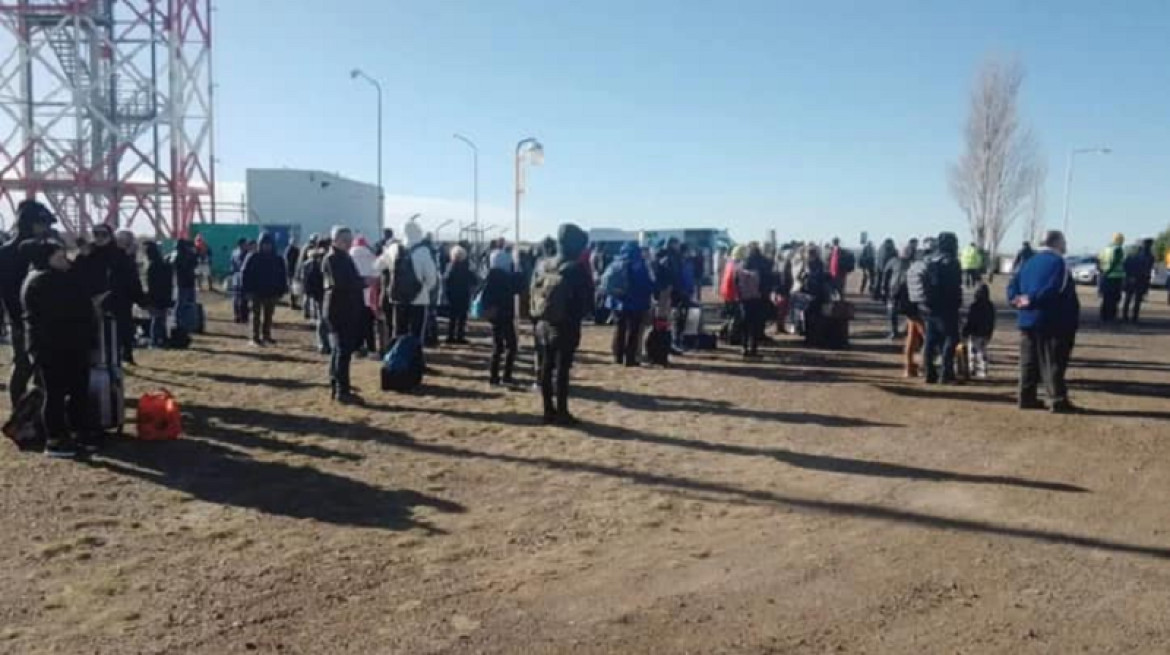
pixel 106 111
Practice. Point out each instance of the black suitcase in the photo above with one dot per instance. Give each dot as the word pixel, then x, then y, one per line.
pixel 106 405
pixel 658 346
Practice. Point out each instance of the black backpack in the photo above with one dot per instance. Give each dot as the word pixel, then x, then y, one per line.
pixel 404 283
pixel 847 261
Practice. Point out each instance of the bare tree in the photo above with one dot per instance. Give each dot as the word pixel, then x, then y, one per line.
pixel 994 177
pixel 1034 228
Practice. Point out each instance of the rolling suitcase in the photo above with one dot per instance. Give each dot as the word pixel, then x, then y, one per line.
pixel 658 344
pixel 106 405
pixel 190 317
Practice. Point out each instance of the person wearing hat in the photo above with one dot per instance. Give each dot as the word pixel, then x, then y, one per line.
pixel 33 221
pixel 1111 281
pixel 60 327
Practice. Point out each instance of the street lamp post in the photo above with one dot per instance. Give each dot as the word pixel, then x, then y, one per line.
pixel 474 182
pixel 534 151
pixel 1068 176
pixel 355 74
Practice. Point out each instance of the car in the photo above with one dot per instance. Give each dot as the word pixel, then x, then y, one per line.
pixel 1159 277
pixel 1084 269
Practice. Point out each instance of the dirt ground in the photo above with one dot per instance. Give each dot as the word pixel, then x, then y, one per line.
pixel 811 502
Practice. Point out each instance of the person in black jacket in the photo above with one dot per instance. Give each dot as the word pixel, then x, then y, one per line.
pixel 104 267
pixel 345 311
pixel 944 301
pixel 313 279
pixel 499 303
pixel 160 289
pixel 559 331
pixel 978 330
pixel 292 257
pixel 32 223
pixel 185 263
pixel 265 281
pixel 60 326
pixel 458 283
pixel 1139 267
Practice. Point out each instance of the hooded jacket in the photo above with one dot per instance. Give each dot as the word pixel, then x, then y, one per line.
pixel 109 268
pixel 264 275
pixel 945 297
pixel 58 314
pixel 637 298
pixel 14 265
pixel 980 315
pixel 571 242
pixel 424 265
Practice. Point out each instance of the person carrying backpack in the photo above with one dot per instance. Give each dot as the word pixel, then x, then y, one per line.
pixel 413 277
pixel 913 258
pixel 264 281
pixel 628 290
pixel 940 302
pixel 32 224
pixel 561 298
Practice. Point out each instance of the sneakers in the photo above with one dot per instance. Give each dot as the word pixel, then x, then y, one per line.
pixel 256 343
pixel 269 341
pixel 1030 404
pixel 62 448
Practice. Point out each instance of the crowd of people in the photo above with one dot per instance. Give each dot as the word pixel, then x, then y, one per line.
pixel 365 298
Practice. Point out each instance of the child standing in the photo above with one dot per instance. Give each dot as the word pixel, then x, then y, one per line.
pixel 979 329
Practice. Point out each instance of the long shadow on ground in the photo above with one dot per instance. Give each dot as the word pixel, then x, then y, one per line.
pixel 225 476
pixel 973 395
pixel 719 491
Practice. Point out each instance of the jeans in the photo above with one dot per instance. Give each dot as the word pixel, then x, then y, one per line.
pixel 977 355
pixel 558 348
pixel 158 327
pixel 504 347
pixel 323 341
pixel 22 369
pixel 942 337
pixel 262 311
pixel 1044 356
pixel 942 334
pixel 627 338
pixel 339 362
pixel 892 317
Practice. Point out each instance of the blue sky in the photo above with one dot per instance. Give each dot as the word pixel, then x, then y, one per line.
pixel 813 118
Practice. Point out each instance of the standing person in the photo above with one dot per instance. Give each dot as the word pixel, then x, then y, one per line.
pixel 751 290
pixel 264 281
pixel 1049 316
pixel 944 300
pixel 185 263
pixel 1139 266
pixel 458 284
pixel 898 303
pixel 979 329
pixel 413 277
pixel 105 267
pixel 313 279
pixel 365 260
pixel 561 298
pixel 60 328
pixel 292 257
pixel 971 261
pixel 343 312
pixel 239 298
pixel 841 264
pixel 629 303
pixel 33 221
pixel 499 306
pixel 869 269
pixel 160 291
pixel 203 262
pixel 1111 264
pixel 684 295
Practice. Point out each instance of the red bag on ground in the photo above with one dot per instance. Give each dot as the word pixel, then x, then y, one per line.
pixel 159 418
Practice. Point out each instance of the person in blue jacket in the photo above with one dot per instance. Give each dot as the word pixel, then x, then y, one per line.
pixel 1049 317
pixel 631 306
pixel 264 282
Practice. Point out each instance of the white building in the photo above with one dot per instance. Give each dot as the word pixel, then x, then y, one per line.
pixel 313 201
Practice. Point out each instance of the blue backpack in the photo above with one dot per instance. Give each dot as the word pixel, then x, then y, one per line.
pixel 615 282
pixel 402 369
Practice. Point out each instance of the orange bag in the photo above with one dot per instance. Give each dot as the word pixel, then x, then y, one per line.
pixel 159 418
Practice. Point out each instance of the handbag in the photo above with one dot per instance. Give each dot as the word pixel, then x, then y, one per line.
pixel 159 418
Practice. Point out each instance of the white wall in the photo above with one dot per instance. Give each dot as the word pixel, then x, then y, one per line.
pixel 314 200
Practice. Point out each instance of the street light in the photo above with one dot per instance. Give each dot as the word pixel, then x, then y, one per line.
pixel 474 179
pixel 533 151
pixel 439 229
pixel 1068 176
pixel 355 74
